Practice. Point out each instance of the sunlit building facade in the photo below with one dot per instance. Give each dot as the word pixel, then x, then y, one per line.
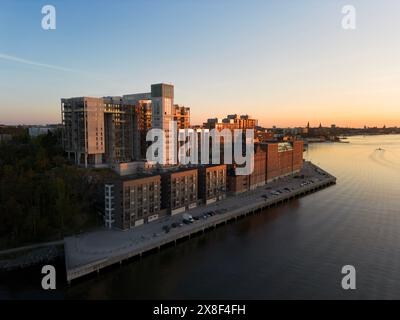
pixel 110 130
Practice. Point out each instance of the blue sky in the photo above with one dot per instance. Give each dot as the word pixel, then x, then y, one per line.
pixel 284 62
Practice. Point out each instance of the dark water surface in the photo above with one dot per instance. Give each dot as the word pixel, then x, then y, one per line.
pixel 294 251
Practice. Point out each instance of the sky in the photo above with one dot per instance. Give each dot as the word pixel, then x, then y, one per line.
pixel 284 62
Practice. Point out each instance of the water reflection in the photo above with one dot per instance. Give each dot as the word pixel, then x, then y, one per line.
pixel 294 251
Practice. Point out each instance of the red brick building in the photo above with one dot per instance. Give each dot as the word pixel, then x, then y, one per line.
pixel 271 161
pixel 283 159
pixel 238 184
pixel 212 183
pixel 257 178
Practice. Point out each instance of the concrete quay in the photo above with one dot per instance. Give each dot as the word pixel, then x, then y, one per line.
pixel 93 251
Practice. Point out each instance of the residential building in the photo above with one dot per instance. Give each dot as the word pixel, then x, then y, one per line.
pixel 241 183
pixel 84 131
pixel 162 99
pixel 132 201
pixel 182 116
pixel 257 177
pixel 231 122
pixel 212 183
pixel 142 124
pixel 271 161
pixel 109 130
pixel 179 190
pixel 237 184
pixel 283 159
pixel 141 120
pixel 118 129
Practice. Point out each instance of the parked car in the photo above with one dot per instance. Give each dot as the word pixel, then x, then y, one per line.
pixel 187 218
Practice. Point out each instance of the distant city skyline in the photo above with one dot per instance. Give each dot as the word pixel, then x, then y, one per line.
pixel 283 63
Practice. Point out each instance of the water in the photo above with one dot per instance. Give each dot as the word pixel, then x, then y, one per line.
pixel 292 252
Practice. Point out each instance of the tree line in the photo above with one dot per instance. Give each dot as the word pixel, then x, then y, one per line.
pixel 42 196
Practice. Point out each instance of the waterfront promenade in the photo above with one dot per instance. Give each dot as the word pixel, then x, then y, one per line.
pixel 90 252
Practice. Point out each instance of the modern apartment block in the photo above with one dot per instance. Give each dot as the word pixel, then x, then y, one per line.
pixel 130 202
pixel 112 130
pixel 118 130
pixel 84 129
pixel 162 99
pixel 231 122
pixel 179 190
pixel 182 116
pixel 212 183
pixel 97 130
pixel 133 200
pixel 141 125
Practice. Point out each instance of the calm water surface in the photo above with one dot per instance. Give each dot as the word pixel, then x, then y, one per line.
pixel 294 251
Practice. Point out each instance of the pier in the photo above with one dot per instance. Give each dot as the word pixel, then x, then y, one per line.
pixel 93 251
